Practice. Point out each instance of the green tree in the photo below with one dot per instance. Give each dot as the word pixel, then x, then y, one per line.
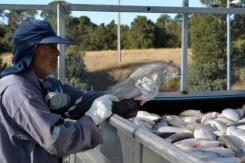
pixel 124 37
pixel 81 30
pixel 98 37
pixel 75 68
pixel 3 30
pixel 208 44
pixel 173 30
pixel 15 17
pixel 160 31
pixel 141 35
pixel 111 35
pixel 51 15
pixel 214 3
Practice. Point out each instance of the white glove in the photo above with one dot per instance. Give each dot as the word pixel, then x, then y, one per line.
pixel 101 108
pixel 149 88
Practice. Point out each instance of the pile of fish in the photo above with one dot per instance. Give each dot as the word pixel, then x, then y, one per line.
pixel 212 137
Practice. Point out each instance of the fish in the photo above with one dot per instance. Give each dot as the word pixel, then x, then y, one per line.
pixel 231 114
pixel 234 143
pixel 219 133
pixel 174 120
pixel 192 144
pixel 242 120
pixel 194 126
pixel 210 115
pixel 191 119
pixel 171 129
pixel 240 111
pixel 221 151
pixel 159 124
pixel 225 120
pixel 148 116
pixel 232 130
pixel 126 88
pixel 179 136
pixel 217 124
pixel 203 154
pixel 191 113
pixel 241 127
pixel 204 133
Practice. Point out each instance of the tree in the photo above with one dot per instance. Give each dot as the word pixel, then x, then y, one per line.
pixel 111 35
pixel 51 15
pixel 238 48
pixel 160 31
pixel 173 30
pixel 98 38
pixel 15 18
pixel 3 30
pixel 81 30
pixel 208 44
pixel 214 3
pixel 124 37
pixel 141 34
pixel 75 68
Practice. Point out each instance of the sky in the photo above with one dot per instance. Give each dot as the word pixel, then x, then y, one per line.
pixel 107 17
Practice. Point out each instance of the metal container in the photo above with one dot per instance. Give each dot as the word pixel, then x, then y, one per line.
pixel 127 143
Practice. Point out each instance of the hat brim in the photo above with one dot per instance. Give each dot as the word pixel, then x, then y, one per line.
pixel 56 40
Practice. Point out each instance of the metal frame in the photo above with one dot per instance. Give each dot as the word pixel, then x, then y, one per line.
pixel 228 49
pixel 185 10
pixel 184 47
pixel 126 8
pixel 61 32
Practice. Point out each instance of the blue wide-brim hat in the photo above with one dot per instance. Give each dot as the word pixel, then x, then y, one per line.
pixel 27 36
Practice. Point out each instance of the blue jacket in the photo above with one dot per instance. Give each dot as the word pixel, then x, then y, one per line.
pixel 30 133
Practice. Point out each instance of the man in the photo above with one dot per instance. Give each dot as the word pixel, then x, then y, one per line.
pixel 32 127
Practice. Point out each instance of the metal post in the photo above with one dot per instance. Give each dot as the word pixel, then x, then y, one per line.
pixel 184 47
pixel 228 48
pixel 61 32
pixel 119 36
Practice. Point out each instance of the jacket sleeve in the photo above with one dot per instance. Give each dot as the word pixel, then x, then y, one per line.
pixel 58 136
pixel 72 91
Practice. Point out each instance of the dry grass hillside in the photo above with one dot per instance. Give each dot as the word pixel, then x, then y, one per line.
pixel 104 69
pixel 6 58
pixel 99 60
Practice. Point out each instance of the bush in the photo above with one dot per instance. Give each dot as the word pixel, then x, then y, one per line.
pixel 75 68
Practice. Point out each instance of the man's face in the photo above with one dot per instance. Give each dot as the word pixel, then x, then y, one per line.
pixel 45 60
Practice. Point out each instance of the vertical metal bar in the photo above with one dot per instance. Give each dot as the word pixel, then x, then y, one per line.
pixel 119 36
pixel 61 32
pixel 184 48
pixel 228 51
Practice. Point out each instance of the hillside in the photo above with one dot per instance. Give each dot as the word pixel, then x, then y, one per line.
pixel 104 69
pixel 98 60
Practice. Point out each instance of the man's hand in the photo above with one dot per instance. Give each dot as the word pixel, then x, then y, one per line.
pixel 101 108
